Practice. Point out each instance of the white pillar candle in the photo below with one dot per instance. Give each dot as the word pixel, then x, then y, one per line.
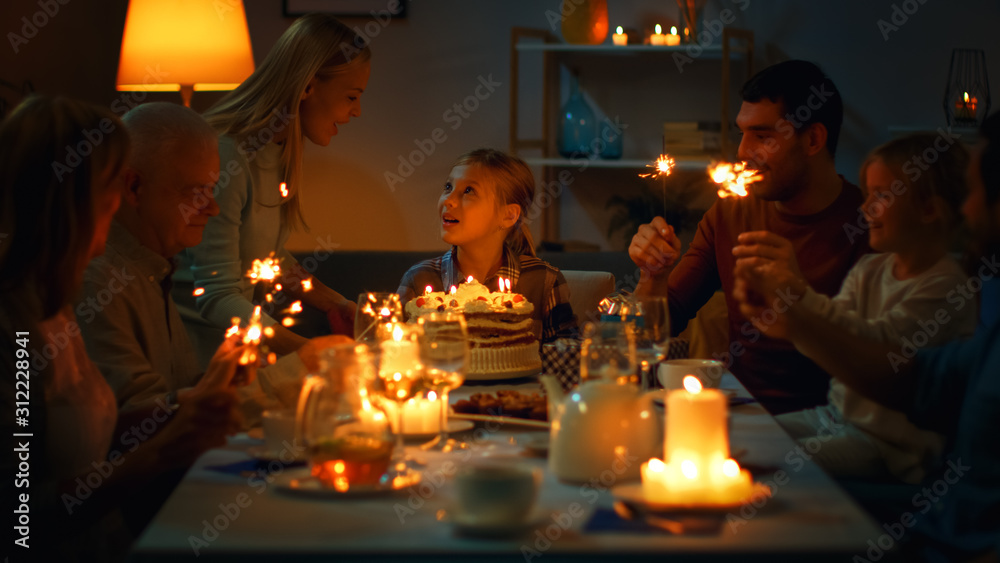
pixel 696 424
pixel 420 415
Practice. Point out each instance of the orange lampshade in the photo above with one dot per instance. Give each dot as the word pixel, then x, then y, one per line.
pixel 197 44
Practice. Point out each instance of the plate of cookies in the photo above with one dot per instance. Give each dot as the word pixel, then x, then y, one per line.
pixel 504 407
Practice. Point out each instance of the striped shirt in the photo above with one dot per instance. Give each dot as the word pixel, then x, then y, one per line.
pixel 541 283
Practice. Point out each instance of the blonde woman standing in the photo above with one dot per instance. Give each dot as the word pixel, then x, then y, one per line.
pixel 309 84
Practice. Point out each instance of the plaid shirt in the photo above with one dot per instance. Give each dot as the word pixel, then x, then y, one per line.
pixel 540 282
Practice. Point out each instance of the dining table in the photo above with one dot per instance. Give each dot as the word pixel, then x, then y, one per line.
pixel 230 507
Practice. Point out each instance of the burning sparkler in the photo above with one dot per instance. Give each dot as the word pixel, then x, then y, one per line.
pixel 733 178
pixel 662 167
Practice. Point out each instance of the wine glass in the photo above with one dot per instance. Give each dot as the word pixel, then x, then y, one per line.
pixel 608 352
pixel 444 352
pixel 376 309
pixel 399 371
pixel 651 317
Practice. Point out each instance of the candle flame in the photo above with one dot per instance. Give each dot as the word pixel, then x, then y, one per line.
pixel 733 178
pixel 662 167
pixel 965 97
pixel 453 290
pixel 296 307
pixel 385 312
pixel 199 291
pixel 371 297
pixel 619 30
pixel 692 384
pixel 397 333
pixel 689 469
pixel 432 396
pixel 673 30
pixel 283 187
pixel 253 333
pixel 506 284
pixel 428 290
pixel 307 284
pixel 658 29
pixel 287 321
pixel 730 468
pixel 469 279
pixel 500 284
pixel 656 465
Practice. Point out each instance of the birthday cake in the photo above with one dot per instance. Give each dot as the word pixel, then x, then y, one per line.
pixel 502 338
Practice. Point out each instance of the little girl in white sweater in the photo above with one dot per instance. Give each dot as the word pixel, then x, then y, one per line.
pixel 905 295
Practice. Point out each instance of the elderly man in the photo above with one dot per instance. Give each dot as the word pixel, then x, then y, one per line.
pixel 790 120
pixel 129 321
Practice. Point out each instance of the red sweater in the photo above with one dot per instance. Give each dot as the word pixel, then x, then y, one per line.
pixel 779 376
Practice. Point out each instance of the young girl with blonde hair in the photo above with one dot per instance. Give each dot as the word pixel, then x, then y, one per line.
pixel 310 83
pixel 900 296
pixel 482 211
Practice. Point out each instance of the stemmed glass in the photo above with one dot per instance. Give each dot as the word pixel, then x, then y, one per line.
pixel 375 310
pixel 444 352
pixel 608 352
pixel 400 371
pixel 651 317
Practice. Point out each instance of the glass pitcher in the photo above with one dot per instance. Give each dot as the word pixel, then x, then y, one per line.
pixel 346 433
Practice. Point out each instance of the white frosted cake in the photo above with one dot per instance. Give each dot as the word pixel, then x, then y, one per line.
pixel 501 333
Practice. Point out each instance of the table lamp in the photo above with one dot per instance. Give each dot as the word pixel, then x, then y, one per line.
pixel 184 45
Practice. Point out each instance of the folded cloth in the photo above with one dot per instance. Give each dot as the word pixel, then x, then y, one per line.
pixel 254 466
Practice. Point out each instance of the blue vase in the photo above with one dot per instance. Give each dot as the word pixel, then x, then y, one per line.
pixel 611 141
pixel 578 133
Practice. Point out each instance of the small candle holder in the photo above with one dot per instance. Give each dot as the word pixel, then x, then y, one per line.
pixel 967 92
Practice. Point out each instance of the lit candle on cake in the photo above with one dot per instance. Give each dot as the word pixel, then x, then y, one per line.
pixel 698 470
pixel 620 38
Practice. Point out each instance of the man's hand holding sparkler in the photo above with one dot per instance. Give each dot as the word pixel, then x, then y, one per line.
pixel 655 249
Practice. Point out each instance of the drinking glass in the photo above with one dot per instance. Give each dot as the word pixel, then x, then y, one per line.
pixel 444 352
pixel 399 372
pixel 608 352
pixel 652 331
pixel 375 310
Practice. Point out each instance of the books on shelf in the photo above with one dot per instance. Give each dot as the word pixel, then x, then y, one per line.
pixel 686 137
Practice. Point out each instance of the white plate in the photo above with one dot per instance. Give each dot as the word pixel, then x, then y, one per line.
pixel 300 482
pixel 453 426
pixel 475 530
pixel 534 370
pixel 632 493
pixel 264 454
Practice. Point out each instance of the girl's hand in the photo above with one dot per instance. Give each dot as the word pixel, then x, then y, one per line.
pixel 757 248
pixel 341 317
pixel 766 296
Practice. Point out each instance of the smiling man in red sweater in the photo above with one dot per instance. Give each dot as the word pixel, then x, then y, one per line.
pixel 790 120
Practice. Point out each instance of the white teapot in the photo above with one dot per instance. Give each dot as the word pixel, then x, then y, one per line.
pixel 603 429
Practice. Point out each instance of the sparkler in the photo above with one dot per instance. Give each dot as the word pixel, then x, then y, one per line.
pixel 733 178
pixel 253 334
pixel 662 167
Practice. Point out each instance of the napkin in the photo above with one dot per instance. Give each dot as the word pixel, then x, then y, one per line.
pixel 241 468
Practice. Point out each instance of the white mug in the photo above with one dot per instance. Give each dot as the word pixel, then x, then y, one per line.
pixel 672 372
pixel 493 493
